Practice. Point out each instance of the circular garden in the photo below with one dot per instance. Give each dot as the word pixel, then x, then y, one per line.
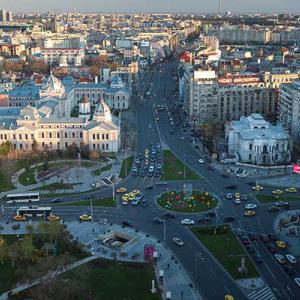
pixel 180 202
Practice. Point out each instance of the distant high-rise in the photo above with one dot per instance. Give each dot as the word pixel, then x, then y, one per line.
pixel 2 15
pixel 9 16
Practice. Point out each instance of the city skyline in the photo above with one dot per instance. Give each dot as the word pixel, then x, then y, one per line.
pixel 131 6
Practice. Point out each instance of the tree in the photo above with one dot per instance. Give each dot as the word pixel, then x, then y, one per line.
pixel 72 150
pixel 27 248
pixel 94 155
pixel 55 230
pixel 5 148
pixel 94 71
pixel 3 251
pixel 13 67
pixel 13 253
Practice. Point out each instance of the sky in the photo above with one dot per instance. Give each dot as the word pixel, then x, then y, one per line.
pixel 184 6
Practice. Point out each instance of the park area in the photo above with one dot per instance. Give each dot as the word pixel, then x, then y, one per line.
pixel 179 201
pixel 269 198
pixel 175 169
pixel 226 248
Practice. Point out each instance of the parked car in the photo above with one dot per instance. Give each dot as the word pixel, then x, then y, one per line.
pixel 280 258
pixel 297 281
pixel 229 219
pixel 250 206
pixel 257 258
pixel 291 258
pixel 229 196
pixel 289 270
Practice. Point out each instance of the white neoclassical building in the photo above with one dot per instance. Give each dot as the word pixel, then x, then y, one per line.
pixel 101 132
pixel 254 140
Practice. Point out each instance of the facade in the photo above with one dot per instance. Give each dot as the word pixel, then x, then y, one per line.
pixel 254 140
pixel 200 96
pixel 289 108
pixel 64 51
pixel 235 101
pixel 275 80
pixel 101 133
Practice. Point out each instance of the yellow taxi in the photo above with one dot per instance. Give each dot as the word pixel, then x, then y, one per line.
pixel 281 244
pixel 249 213
pixel 135 192
pixel 237 195
pixel 257 188
pixel 229 297
pixel 85 218
pixel 53 218
pixel 121 190
pixel 291 190
pixel 125 197
pixel 277 192
pixel 19 218
pixel 131 197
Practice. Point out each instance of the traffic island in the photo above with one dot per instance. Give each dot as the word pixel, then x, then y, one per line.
pixel 225 247
pixel 189 202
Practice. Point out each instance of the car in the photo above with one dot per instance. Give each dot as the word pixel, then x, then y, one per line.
pixel 177 241
pixel 211 214
pixel 85 217
pixel 281 244
pixel 19 218
pixel 121 190
pixel 250 206
pixel 283 204
pixel 135 192
pixel 250 249
pixel 249 213
pixel 52 218
pixel 131 197
pixel 187 222
pixel 252 236
pixel 149 125
pixel 169 215
pixel 280 258
pixel 229 297
pixel 271 248
pixel 291 258
pixel 297 281
pixel 57 200
pixel 149 187
pixel 291 190
pixel 289 270
pixel 229 219
pixel 231 187
pixel 201 161
pixel 204 220
pixel 237 195
pixel 257 258
pixel 127 224
pixel 264 238
pixel 273 208
pixel 245 241
pixel 134 169
pixel 244 198
pixel 125 197
pixel 277 192
pixel 237 201
pixel 124 202
pixel 257 188
pixel 229 196
pixel 158 220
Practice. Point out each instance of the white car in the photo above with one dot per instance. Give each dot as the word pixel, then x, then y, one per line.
pixel 291 258
pixel 201 161
pixel 229 196
pixel 280 258
pixel 187 222
pixel 250 206
pixel 297 281
pixel 178 241
pixel 237 201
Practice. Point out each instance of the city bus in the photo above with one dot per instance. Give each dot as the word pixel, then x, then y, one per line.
pixel 22 198
pixel 34 211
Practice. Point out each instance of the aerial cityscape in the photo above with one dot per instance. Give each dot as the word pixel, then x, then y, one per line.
pixel 150 151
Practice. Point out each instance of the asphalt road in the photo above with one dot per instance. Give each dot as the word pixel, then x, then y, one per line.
pixel 210 278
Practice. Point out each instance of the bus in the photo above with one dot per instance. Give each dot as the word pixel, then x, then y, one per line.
pixel 34 211
pixel 22 198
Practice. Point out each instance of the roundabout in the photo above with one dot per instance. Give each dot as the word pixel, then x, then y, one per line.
pixel 193 202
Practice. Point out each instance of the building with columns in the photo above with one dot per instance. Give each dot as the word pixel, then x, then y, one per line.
pixel 255 141
pixel 30 127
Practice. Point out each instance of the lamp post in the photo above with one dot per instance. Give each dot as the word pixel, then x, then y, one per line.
pixel 165 233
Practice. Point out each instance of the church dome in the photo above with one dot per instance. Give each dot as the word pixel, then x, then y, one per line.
pixel 102 112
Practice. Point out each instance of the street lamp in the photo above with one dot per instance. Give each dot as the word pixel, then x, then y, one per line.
pixel 165 233
pixel 184 167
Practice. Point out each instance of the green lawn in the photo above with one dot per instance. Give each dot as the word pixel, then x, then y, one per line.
pixel 28 177
pixel 227 249
pixel 126 167
pixel 57 186
pixel 198 202
pixel 116 281
pixel 96 202
pixel 99 171
pixel 264 198
pixel 173 168
pixel 5 182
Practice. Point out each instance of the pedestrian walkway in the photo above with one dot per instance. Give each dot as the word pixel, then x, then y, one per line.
pixel 262 294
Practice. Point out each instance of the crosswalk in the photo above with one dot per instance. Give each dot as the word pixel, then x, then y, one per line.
pixel 262 294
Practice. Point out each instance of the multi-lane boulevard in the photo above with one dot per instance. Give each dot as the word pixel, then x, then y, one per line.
pixel 212 281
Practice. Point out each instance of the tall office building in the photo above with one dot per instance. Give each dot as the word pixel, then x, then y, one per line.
pixel 9 16
pixel 2 15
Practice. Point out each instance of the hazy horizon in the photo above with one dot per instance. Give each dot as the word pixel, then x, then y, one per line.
pixel 167 6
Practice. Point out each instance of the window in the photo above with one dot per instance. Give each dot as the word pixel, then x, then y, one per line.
pixel 73 135
pixel 43 135
pixel 94 136
pixel 107 146
pixel 20 136
pixel 250 156
pixel 102 146
pixel 50 135
pixel 21 147
pixel 14 136
pixel 107 136
pixel 66 134
pixel 250 146
pixel 26 136
pixel 102 136
pixel 57 134
pixel 80 135
pixel 94 146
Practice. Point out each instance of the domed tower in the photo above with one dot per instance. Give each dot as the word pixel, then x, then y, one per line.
pixel 84 107
pixel 102 112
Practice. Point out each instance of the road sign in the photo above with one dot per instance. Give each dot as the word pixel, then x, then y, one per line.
pixel 296 168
